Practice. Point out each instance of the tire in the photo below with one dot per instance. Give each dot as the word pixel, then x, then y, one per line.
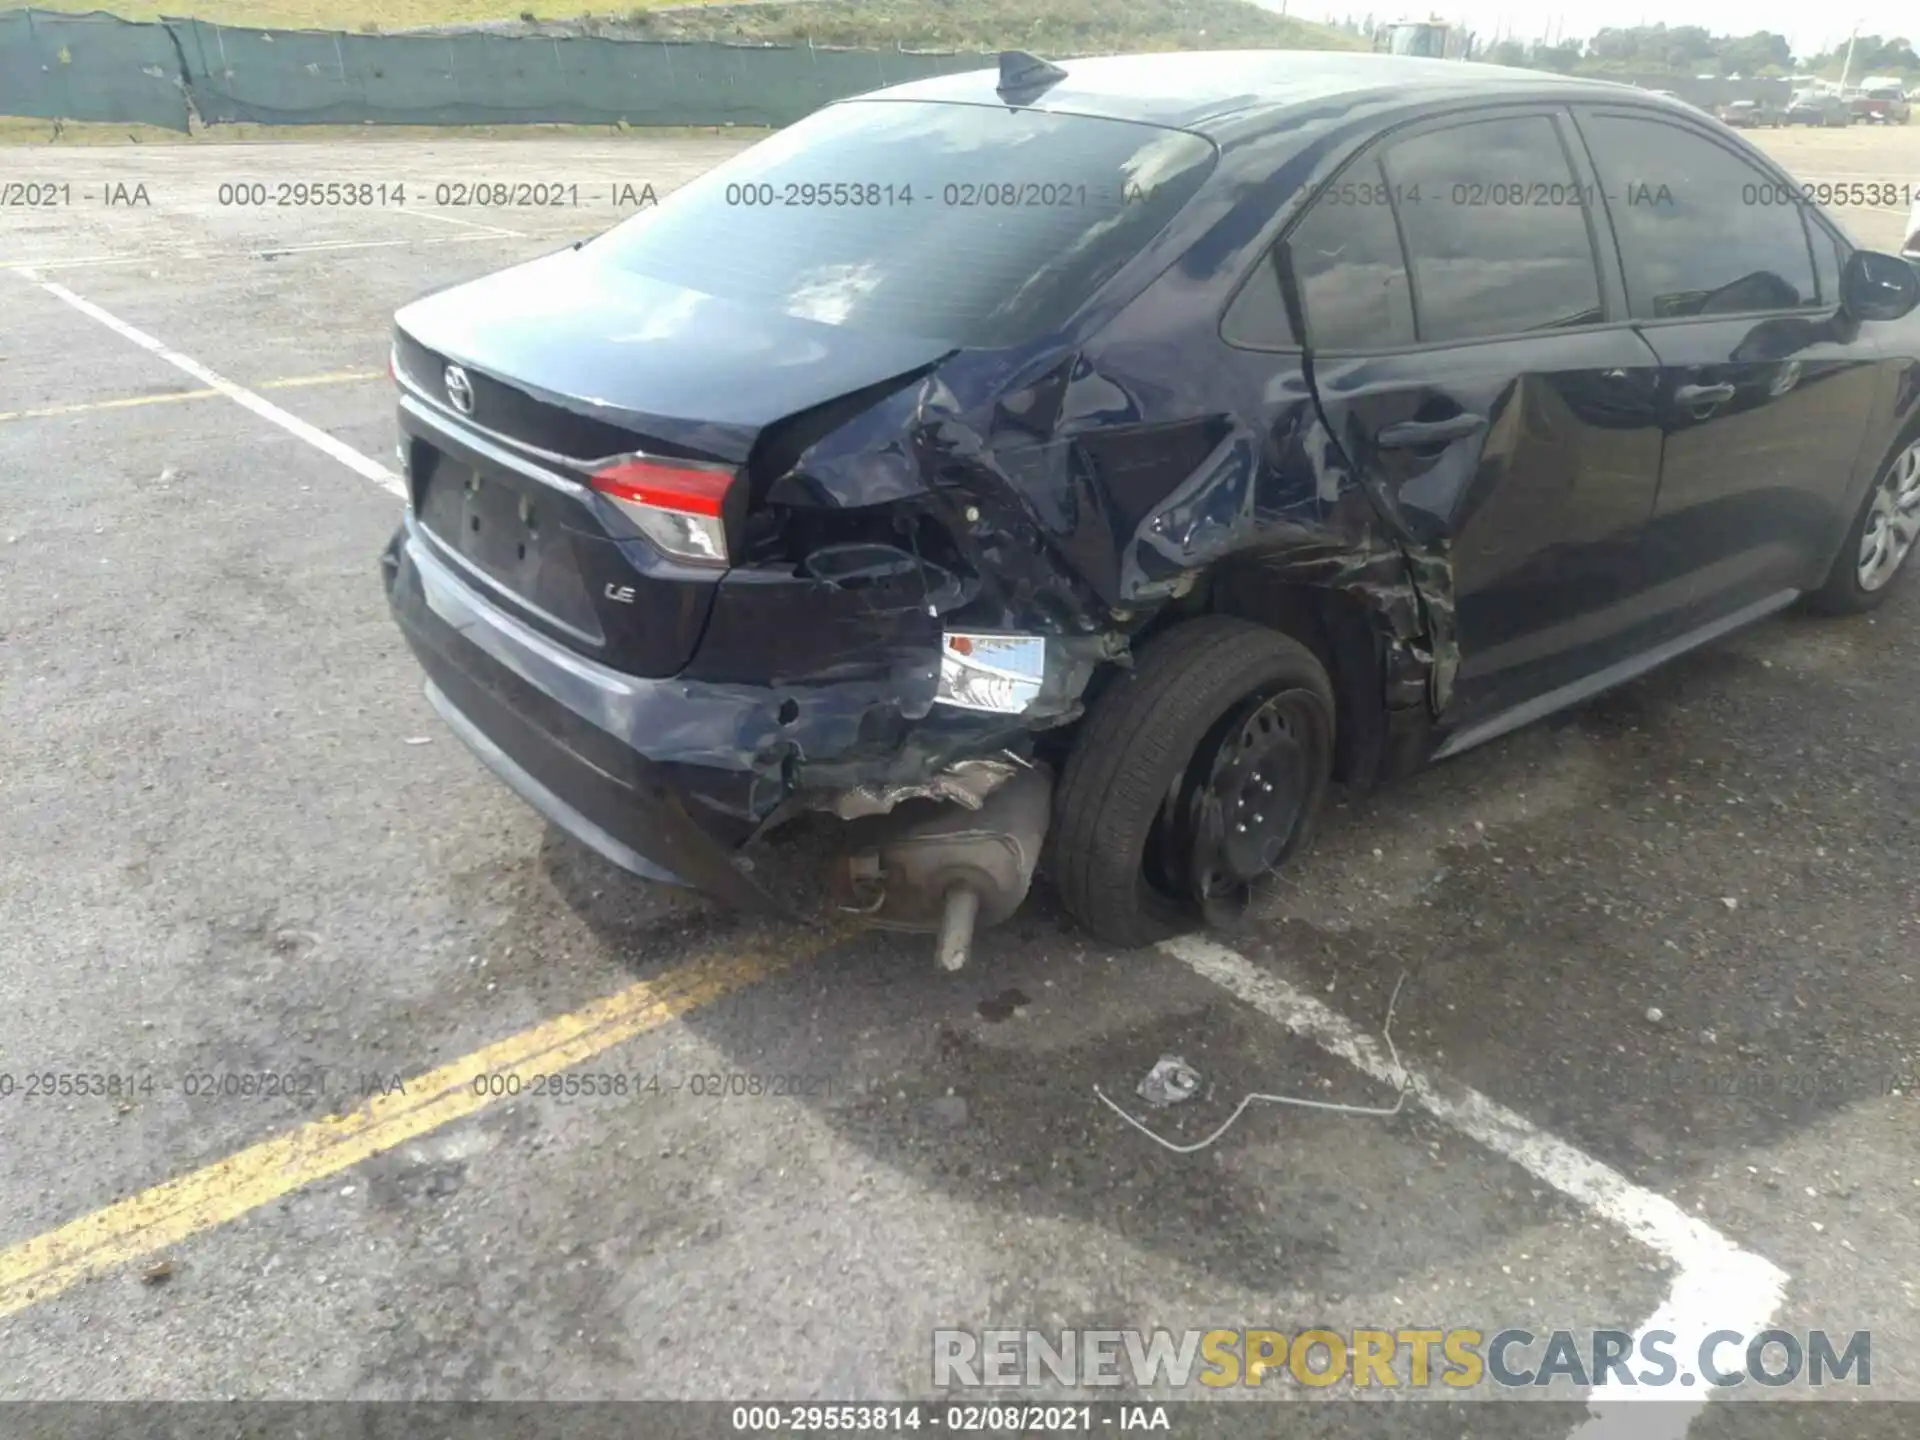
pixel 1895 493
pixel 1146 738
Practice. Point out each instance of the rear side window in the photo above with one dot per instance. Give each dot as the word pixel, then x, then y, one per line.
pixel 1496 230
pixel 975 225
pixel 1702 231
pixel 1257 319
pixel 1347 264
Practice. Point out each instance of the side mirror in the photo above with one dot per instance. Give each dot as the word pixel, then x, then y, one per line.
pixel 1878 287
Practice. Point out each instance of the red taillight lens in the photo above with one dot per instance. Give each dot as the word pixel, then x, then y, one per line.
pixel 665 487
pixel 677 507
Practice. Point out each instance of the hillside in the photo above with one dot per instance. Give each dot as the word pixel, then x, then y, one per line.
pixel 1061 27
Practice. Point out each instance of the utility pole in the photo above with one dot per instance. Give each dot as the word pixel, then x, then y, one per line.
pixel 1846 70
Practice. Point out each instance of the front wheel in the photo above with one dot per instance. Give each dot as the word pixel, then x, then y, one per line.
pixel 1878 542
pixel 1194 774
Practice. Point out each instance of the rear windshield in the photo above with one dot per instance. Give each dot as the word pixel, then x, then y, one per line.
pixel 970 224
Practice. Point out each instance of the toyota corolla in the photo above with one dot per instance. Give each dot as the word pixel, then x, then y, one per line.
pixel 1091 463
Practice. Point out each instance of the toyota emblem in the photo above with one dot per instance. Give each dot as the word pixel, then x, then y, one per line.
pixel 459 389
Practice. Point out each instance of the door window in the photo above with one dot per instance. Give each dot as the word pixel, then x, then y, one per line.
pixel 1476 230
pixel 1702 231
pixel 1496 230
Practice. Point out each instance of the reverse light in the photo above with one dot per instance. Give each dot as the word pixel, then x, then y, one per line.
pixel 984 670
pixel 678 507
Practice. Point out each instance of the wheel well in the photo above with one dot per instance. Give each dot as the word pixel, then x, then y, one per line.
pixel 1909 432
pixel 1340 631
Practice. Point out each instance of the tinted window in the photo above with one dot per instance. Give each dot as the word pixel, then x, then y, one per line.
pixel 1257 319
pixel 1696 234
pixel 1496 230
pixel 1347 263
pixel 965 223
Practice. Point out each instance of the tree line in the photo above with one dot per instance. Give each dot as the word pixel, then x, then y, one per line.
pixel 1687 50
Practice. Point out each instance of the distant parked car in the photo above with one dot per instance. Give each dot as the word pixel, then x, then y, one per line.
pixel 1819 107
pixel 1882 104
pixel 1749 114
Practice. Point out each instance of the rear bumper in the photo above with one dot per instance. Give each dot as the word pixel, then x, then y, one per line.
pixel 556 728
pixel 670 778
pixel 537 793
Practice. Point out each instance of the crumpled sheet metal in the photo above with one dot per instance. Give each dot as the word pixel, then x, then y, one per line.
pixel 1332 537
pixel 967 783
pixel 1286 498
pixel 1061 549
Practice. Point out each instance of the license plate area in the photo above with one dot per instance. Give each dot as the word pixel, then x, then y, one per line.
pixel 514 534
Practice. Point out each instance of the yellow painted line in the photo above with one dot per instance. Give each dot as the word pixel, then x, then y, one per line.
pixel 333 377
pixel 38 1269
pixel 292 382
pixel 126 404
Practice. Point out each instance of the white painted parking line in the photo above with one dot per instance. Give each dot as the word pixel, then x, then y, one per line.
pixel 311 246
pixel 239 394
pixel 456 220
pixel 1716 1285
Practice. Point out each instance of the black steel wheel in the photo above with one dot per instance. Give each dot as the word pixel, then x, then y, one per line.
pixel 1192 777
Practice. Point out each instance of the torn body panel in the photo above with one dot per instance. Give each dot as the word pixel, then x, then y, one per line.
pixel 1131 501
pixel 1522 475
pixel 1093 501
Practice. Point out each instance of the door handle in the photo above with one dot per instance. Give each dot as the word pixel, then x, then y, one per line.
pixel 1411 434
pixel 1699 395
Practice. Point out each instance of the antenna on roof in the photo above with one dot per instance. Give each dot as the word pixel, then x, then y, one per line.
pixel 1026 74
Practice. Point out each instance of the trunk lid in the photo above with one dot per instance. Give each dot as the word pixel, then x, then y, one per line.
pixel 567 364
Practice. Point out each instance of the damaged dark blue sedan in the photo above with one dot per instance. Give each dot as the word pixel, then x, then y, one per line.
pixel 1096 461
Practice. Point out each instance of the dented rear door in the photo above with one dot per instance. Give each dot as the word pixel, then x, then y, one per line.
pixel 1470 359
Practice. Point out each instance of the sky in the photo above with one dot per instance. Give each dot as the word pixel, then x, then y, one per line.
pixel 1810 28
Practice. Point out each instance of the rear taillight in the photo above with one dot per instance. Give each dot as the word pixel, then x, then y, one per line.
pixel 679 508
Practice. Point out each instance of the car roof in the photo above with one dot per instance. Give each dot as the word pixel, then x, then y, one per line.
pixel 1194 89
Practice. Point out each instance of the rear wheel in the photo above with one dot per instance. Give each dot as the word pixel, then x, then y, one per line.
pixel 1880 540
pixel 1194 774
